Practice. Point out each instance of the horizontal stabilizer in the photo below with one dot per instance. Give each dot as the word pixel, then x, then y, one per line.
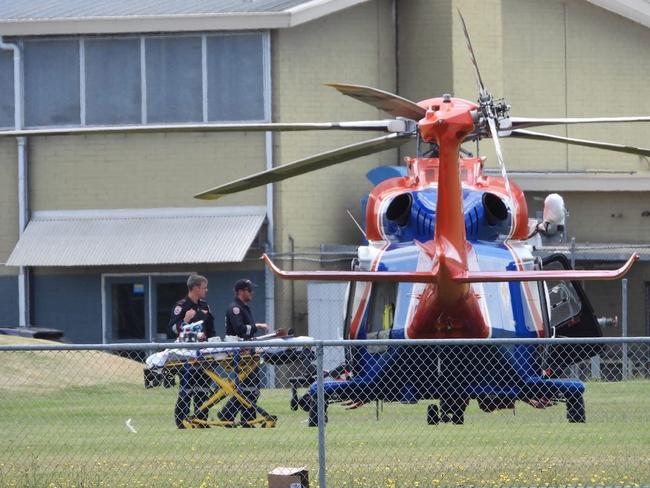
pixel 392 276
pixel 467 277
pixel 557 275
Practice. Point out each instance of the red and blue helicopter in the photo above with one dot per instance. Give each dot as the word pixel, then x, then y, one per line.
pixel 448 256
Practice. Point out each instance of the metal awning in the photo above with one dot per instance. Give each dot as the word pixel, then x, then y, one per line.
pixel 138 236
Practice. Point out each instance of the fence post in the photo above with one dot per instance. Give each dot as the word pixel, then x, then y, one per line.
pixel 573 253
pixel 320 405
pixel 624 365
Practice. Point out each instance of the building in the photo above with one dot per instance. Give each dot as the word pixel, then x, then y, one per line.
pixel 121 207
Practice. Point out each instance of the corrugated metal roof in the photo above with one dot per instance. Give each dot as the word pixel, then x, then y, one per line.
pixel 43 17
pixel 76 9
pixel 134 237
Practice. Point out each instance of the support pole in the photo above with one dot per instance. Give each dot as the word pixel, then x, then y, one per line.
pixel 624 331
pixel 320 403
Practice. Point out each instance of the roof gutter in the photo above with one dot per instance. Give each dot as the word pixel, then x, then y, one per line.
pixel 24 311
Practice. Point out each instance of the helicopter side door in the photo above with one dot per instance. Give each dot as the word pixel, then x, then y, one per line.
pixel 570 315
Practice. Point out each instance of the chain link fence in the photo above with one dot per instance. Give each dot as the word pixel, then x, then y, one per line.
pixel 560 412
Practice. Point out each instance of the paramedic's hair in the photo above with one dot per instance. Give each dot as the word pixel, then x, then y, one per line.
pixel 195 280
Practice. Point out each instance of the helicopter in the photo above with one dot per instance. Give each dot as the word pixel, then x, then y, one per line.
pixel 448 255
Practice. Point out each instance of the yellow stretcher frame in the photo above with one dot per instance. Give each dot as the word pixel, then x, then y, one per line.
pixel 247 364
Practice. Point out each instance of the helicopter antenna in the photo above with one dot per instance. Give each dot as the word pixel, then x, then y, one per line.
pixel 356 222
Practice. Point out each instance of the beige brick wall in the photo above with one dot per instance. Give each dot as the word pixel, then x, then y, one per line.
pixel 8 201
pixel 571 58
pixel 141 171
pixel 353 46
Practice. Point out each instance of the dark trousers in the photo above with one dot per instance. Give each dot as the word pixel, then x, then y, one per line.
pixel 195 387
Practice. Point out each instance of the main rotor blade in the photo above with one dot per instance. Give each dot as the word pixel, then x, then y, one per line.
pixel 499 153
pixel 483 92
pixel 389 125
pixel 388 102
pixel 526 134
pixel 306 165
pixel 524 122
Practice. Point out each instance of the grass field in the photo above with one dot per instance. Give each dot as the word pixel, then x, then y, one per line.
pixel 62 421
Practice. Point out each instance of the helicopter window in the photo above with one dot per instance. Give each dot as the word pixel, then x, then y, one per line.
pixel 563 300
pixel 382 310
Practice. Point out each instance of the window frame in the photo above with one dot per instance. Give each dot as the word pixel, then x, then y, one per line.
pixel 265 46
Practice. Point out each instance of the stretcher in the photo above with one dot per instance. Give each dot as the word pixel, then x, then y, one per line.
pixel 229 370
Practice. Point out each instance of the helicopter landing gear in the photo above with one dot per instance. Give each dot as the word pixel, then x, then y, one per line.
pixel 433 415
pixel 313 413
pixel 451 410
pixel 575 409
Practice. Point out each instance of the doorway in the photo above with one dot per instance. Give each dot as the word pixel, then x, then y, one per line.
pixel 137 308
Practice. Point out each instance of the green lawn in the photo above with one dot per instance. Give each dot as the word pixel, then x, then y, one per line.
pixel 63 414
pixel 77 437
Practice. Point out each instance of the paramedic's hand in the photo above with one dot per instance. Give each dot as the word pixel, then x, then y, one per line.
pixel 189 315
pixel 262 326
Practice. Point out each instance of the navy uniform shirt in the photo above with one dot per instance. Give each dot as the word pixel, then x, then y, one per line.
pixel 202 313
pixel 239 320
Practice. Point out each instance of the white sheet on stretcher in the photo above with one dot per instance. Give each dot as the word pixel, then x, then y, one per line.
pixel 159 359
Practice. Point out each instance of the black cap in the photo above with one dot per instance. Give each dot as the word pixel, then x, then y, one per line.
pixel 244 285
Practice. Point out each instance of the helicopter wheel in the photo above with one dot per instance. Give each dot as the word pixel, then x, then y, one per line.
pixel 433 415
pixel 313 413
pixel 575 409
pixel 453 410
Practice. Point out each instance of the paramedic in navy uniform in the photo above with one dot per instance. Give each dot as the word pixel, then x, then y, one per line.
pixel 195 385
pixel 240 322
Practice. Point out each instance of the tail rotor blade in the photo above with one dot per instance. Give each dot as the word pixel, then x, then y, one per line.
pixel 306 165
pixel 539 136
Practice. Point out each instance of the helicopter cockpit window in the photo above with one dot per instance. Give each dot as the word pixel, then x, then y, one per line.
pixel 382 310
pixel 563 300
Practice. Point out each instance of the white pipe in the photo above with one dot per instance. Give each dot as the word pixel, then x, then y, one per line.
pixel 269 278
pixel 23 194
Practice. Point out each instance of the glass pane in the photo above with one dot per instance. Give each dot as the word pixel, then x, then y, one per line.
pixel 235 77
pixel 112 81
pixel 51 83
pixel 174 92
pixel 167 294
pixel 128 311
pixel 6 88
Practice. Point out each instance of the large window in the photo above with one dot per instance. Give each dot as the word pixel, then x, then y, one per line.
pixel 52 83
pixel 235 94
pixel 138 79
pixel 112 74
pixel 6 89
pixel 174 77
